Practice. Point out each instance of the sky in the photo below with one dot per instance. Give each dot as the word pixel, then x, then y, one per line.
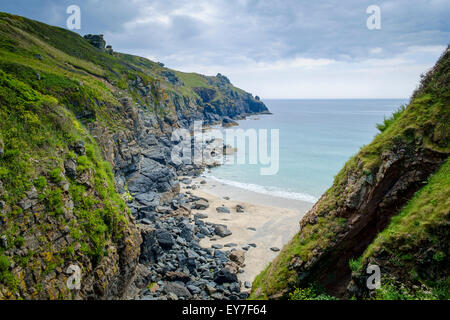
pixel 275 49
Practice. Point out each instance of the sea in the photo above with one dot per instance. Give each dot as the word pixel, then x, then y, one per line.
pixel 316 138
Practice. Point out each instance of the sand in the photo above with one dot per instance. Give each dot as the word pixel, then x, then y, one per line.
pixel 275 219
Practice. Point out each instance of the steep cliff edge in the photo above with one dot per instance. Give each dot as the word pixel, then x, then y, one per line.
pixel 372 188
pixel 85 141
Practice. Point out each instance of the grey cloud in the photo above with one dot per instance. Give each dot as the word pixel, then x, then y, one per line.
pixel 261 30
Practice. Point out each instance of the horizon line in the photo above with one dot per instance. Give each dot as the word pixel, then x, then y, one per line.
pixel 335 98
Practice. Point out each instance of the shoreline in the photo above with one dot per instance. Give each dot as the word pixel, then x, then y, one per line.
pixel 273 221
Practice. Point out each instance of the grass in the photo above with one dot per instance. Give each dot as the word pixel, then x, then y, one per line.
pixel 54 86
pixel 423 123
pixel 36 131
pixel 313 292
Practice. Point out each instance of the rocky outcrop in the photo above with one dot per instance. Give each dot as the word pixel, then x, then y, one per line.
pixel 96 40
pixel 368 203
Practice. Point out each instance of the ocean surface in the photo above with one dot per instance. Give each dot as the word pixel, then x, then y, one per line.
pixel 316 138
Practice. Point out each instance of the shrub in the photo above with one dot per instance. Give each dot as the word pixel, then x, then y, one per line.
pixel 355 264
pixel 4 263
pixel 55 175
pixel 313 292
pixel 40 183
pixel 388 121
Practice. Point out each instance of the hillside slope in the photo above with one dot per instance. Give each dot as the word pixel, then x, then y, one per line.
pixel 373 187
pixel 85 140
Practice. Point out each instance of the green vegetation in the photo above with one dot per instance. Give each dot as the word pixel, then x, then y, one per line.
pixel 423 123
pixel 36 132
pixel 55 89
pixel 388 121
pixel 421 226
pixel 313 292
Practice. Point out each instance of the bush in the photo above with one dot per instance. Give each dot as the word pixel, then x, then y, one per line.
pixel 4 263
pixel 313 292
pixel 40 183
pixel 355 264
pixel 55 175
pixel 388 121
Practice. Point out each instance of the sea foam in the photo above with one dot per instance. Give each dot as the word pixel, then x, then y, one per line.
pixel 272 191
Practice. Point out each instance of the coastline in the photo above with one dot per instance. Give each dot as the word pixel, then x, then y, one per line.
pixel 275 221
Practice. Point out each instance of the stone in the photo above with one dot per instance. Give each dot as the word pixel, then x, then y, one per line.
pixel 247 284
pixel 70 168
pixel 187 233
pixel 238 256
pixel 203 182
pixel 4 242
pixel 227 122
pixel 225 276
pixel 146 221
pixel 239 208
pixel 79 148
pixel 201 204
pixel 186 181
pixel 200 216
pixel 165 239
pixel 222 231
pixel 251 229
pixel 217 246
pixel 252 245
pixel 31 199
pixel 177 276
pixel 194 289
pixel 96 40
pixel 223 209
pixel 230 245
pixel 150 199
pixel 275 249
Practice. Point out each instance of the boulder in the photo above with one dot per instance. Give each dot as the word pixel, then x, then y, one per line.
pixel 165 239
pixel 201 204
pixel 70 167
pixel 239 208
pixel 238 256
pixel 79 148
pixel 177 289
pixel 222 231
pixel 187 233
pixel 223 209
pixel 177 276
pixel 225 276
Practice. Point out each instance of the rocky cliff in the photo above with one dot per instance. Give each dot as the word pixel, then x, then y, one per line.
pixel 85 141
pixel 386 187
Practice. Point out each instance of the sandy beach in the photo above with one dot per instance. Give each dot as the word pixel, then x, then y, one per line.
pixel 273 221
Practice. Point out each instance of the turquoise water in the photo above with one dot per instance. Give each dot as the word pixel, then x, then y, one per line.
pixel 316 138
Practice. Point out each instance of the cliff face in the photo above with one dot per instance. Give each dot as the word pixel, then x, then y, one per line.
pixel 84 150
pixel 372 188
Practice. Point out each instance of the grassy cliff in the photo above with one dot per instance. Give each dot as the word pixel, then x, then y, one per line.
pixel 386 179
pixel 68 111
